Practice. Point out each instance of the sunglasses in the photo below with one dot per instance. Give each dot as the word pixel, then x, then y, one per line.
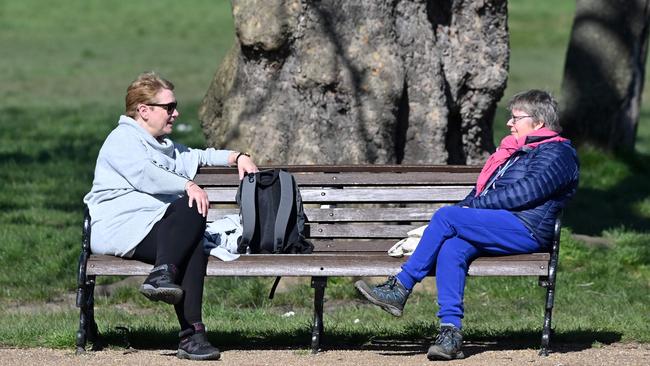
pixel 170 107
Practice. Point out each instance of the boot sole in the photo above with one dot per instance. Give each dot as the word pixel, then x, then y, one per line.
pixel 182 354
pixel 435 355
pixel 367 293
pixel 167 295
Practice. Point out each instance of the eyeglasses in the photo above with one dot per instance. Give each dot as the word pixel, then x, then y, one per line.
pixel 517 118
pixel 170 107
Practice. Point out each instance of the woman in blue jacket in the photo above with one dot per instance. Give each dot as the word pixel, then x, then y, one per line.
pixel 512 210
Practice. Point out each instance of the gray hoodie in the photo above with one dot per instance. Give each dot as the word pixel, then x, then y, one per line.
pixel 136 178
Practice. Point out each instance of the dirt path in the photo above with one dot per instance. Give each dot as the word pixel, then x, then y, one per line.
pixel 479 354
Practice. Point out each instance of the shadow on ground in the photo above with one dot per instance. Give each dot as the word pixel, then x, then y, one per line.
pixel 564 342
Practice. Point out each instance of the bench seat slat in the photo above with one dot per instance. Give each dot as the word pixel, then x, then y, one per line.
pixel 319 265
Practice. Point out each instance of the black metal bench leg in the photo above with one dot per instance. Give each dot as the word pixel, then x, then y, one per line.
pixel 85 293
pixel 87 327
pixel 549 283
pixel 92 332
pixel 319 284
pixel 546 331
pixel 83 321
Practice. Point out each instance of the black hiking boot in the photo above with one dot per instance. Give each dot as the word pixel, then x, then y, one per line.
pixel 447 345
pixel 160 286
pixel 195 346
pixel 390 295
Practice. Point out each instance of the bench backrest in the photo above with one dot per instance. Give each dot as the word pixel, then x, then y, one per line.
pixel 356 208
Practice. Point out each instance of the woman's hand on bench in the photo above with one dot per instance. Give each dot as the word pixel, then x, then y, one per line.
pixel 198 195
pixel 244 163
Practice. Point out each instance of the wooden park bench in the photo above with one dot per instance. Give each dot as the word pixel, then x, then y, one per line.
pixel 355 214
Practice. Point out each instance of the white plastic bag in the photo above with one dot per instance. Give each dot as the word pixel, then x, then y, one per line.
pixel 407 245
pixel 220 238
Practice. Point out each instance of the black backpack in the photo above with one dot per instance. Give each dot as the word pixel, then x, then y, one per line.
pixel 272 216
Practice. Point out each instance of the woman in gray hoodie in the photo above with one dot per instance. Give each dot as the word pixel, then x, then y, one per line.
pixel 145 206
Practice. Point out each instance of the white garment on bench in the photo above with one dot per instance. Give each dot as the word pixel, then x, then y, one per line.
pixel 221 236
pixel 407 245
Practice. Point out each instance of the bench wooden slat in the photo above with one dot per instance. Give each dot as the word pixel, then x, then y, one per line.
pixel 373 168
pixel 372 214
pixel 344 245
pixel 352 195
pixel 354 179
pixel 485 267
pixel 319 265
pixel 359 230
pixel 381 246
pixel 352 214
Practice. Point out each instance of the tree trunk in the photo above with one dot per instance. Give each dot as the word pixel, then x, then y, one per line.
pixel 365 81
pixel 604 72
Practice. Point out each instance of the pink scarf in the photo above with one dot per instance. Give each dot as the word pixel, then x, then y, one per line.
pixel 508 146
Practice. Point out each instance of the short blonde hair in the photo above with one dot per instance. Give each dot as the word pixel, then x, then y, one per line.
pixel 143 90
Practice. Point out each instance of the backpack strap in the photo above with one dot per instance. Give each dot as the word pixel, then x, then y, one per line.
pixel 284 209
pixel 249 184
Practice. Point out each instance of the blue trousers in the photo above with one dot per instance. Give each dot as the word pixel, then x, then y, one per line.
pixel 454 238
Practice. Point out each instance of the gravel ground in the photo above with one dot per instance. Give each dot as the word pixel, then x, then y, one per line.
pixel 478 354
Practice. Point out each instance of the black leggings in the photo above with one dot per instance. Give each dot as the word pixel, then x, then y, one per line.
pixel 177 239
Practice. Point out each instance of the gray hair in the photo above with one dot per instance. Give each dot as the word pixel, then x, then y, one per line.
pixel 538 104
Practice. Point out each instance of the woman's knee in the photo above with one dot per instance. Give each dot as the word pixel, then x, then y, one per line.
pixel 197 218
pixel 448 211
pixel 448 215
pixel 445 216
pixel 457 252
pixel 190 214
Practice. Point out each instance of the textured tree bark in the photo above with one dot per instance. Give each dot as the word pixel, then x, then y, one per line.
pixel 604 72
pixel 365 81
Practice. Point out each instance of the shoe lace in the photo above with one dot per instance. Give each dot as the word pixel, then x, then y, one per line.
pixel 165 277
pixel 390 283
pixel 443 335
pixel 163 274
pixel 446 338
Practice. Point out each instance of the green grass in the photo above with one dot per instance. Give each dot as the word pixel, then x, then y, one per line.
pixel 72 53
pixel 65 67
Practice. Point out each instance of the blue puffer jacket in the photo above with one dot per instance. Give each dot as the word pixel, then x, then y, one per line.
pixel 535 186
